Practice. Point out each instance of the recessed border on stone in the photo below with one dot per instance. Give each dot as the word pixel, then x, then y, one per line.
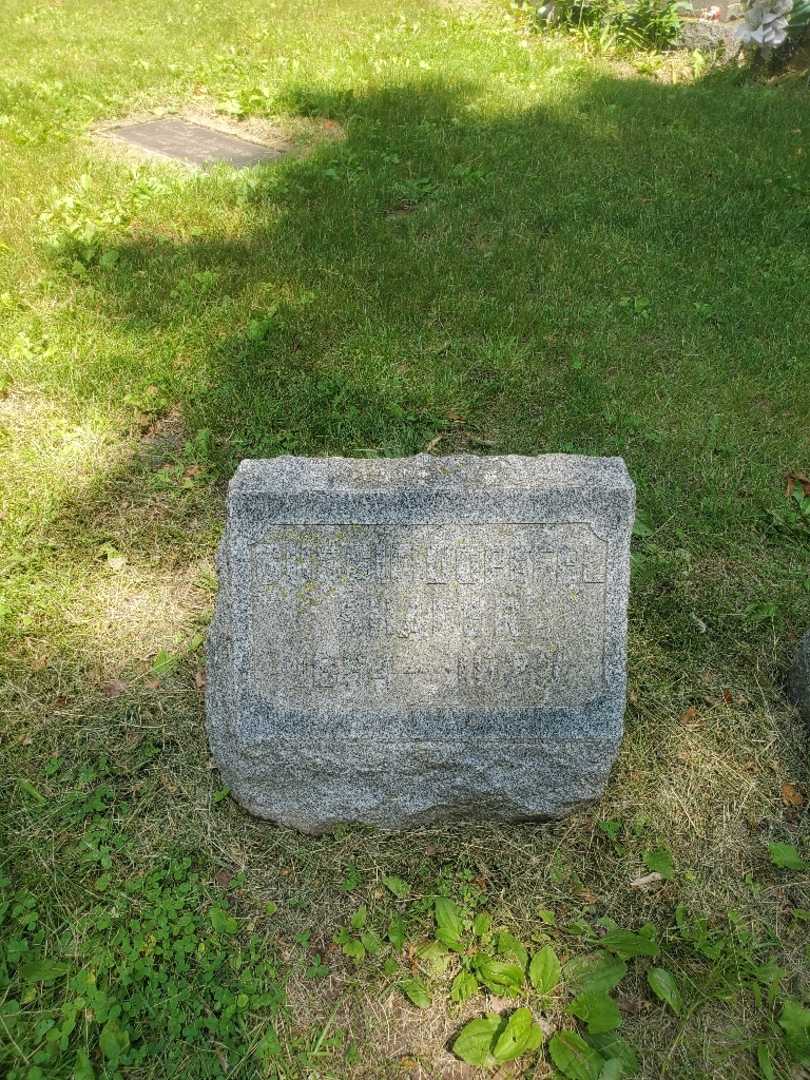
pixel 395 718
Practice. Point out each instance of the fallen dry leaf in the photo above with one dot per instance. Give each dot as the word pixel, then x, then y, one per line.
pixel 114 689
pixel 728 697
pixel 791 796
pixel 407 1063
pixel 690 716
pixel 647 880
pixel 629 1003
pixel 792 479
pixel 506 1072
pixel 434 442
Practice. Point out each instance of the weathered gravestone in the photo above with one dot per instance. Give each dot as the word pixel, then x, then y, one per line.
pixel 799 679
pixel 401 641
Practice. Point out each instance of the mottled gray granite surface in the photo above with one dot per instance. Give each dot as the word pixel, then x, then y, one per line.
pixel 408 640
pixel 799 678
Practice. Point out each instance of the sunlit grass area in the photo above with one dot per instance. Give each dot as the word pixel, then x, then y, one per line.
pixel 486 242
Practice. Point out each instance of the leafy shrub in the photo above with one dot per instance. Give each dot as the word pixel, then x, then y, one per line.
pixel 618 24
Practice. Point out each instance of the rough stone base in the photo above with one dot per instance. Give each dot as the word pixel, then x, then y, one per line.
pixel 416 783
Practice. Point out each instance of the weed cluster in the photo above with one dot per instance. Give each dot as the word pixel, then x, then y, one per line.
pixel 466 958
pixel 616 24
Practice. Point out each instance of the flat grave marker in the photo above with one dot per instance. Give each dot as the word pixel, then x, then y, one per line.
pixel 193 143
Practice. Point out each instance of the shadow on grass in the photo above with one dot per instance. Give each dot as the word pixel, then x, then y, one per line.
pixel 569 277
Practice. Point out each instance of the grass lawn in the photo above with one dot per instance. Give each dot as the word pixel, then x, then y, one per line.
pixel 489 243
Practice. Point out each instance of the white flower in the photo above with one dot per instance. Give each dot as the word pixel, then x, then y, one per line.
pixel 766 23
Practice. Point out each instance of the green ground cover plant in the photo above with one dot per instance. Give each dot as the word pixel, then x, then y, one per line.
pixel 614 24
pixel 503 246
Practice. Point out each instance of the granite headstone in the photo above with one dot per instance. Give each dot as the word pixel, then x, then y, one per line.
pixel 408 640
pixel 798 685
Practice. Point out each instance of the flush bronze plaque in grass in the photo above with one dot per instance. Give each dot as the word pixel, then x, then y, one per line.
pixel 194 144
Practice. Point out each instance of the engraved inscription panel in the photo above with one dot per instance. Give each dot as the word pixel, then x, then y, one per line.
pixel 451 616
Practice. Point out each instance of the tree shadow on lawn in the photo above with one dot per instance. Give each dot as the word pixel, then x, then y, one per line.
pixel 529 281
pixel 566 278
